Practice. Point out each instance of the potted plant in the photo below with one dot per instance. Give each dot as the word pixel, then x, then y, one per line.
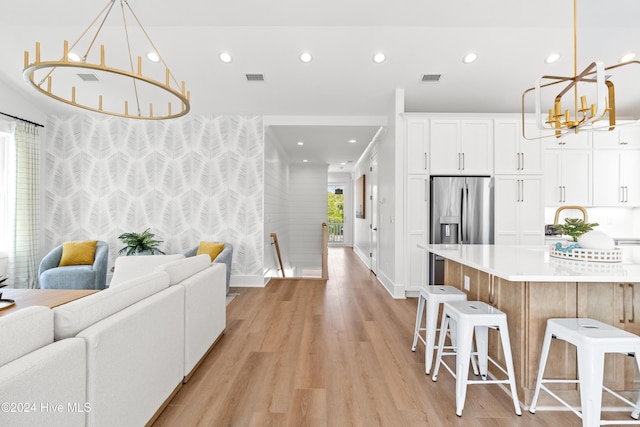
pixel 574 227
pixel 140 243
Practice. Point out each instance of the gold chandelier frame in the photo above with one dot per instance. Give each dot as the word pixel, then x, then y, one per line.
pixel 171 86
pixel 584 115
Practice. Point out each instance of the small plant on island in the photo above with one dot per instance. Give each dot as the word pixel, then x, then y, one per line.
pixel 574 227
pixel 140 243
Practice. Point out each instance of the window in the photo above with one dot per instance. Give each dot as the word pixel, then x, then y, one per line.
pixel 7 189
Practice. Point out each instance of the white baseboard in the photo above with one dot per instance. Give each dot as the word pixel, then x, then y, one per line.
pixel 396 291
pixel 247 281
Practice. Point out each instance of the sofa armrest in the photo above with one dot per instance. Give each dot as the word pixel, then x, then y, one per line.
pixel 226 257
pixel 50 260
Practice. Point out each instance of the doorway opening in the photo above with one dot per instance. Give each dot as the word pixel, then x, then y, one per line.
pixel 335 214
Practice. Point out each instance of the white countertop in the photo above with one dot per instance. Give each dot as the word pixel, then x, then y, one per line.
pixel 533 263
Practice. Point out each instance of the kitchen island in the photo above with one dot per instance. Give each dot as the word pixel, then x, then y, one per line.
pixel 531 287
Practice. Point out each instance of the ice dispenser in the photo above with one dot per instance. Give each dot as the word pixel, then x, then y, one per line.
pixel 449 227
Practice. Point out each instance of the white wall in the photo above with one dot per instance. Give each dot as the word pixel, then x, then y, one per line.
pixel 361 230
pixel 190 179
pixel 276 205
pixel 15 104
pixel 307 212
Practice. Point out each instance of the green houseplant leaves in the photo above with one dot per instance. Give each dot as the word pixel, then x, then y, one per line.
pixel 137 243
pixel 574 227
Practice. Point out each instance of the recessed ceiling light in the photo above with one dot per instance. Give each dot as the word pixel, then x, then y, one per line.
pixel 306 57
pixel 343 163
pixel 153 57
pixel 469 58
pixel 552 58
pixel 300 143
pixel 73 57
pixel 305 161
pixel 626 58
pixel 352 141
pixel 379 58
pixel 225 57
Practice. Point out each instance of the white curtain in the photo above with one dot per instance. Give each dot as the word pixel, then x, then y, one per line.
pixel 25 218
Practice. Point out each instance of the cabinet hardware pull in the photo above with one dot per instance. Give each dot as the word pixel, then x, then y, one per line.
pixel 518 167
pixel 522 166
pixel 459 162
pixel 560 191
pixel 621 194
pixel 624 305
pixel 564 194
pixel 426 187
pixel 462 161
pixel 425 161
pixel 626 194
pixel 633 301
pixel 624 142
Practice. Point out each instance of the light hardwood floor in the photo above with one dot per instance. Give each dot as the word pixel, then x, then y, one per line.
pixel 310 353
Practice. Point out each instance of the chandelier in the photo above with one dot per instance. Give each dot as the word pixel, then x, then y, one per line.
pixel 592 106
pixel 129 91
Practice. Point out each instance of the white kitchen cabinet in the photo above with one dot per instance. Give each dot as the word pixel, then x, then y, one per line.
pixel 568 141
pixel 519 210
pixel 417 146
pixel 417 222
pixel 567 177
pixel 513 154
pixel 624 136
pixel 616 178
pixel 461 147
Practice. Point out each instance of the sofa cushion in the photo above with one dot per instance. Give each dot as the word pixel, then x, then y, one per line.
pixel 78 253
pixel 210 248
pixel 73 317
pixel 24 331
pixel 181 269
pixel 130 267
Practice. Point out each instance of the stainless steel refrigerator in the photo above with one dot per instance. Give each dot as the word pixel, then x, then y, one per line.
pixel 461 211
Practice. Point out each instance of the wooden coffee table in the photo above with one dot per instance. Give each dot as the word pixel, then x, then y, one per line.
pixel 45 297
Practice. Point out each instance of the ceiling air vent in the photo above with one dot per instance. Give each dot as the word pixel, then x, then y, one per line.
pixel 430 78
pixel 255 77
pixel 88 77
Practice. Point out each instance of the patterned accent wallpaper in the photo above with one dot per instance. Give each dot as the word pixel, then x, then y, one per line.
pixel 190 179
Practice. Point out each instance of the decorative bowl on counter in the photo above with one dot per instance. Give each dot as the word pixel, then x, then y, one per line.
pixel 584 254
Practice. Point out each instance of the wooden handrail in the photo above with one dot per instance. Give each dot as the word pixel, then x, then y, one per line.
pixel 325 252
pixel 275 242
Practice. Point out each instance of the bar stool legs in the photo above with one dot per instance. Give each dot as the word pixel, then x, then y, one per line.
pixel 592 340
pixel 431 297
pixel 478 317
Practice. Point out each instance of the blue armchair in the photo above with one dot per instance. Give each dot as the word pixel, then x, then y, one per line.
pixel 74 276
pixel 224 257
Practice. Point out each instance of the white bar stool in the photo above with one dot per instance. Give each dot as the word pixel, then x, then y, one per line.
pixel 478 317
pixel 592 340
pixel 433 296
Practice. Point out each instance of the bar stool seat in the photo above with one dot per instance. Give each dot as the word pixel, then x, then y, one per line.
pixel 592 340
pixel 431 297
pixel 478 317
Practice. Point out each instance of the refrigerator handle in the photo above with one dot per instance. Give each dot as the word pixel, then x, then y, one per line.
pixel 463 214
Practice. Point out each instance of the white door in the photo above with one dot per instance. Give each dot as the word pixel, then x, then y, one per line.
pixel 373 225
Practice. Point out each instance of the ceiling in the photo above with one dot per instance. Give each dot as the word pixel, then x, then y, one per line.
pixel 511 38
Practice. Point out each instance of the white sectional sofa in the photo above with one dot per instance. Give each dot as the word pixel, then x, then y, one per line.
pixel 139 341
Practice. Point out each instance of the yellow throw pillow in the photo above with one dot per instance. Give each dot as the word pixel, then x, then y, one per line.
pixel 211 249
pixel 78 253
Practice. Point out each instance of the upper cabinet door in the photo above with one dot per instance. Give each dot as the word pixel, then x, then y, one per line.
pixel 531 149
pixel 461 147
pixel 444 143
pixel 513 154
pixel 417 146
pixel 476 147
pixel 569 141
pixel 507 157
pixel 623 136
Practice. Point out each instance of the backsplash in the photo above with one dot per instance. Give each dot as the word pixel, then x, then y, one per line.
pixel 616 222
